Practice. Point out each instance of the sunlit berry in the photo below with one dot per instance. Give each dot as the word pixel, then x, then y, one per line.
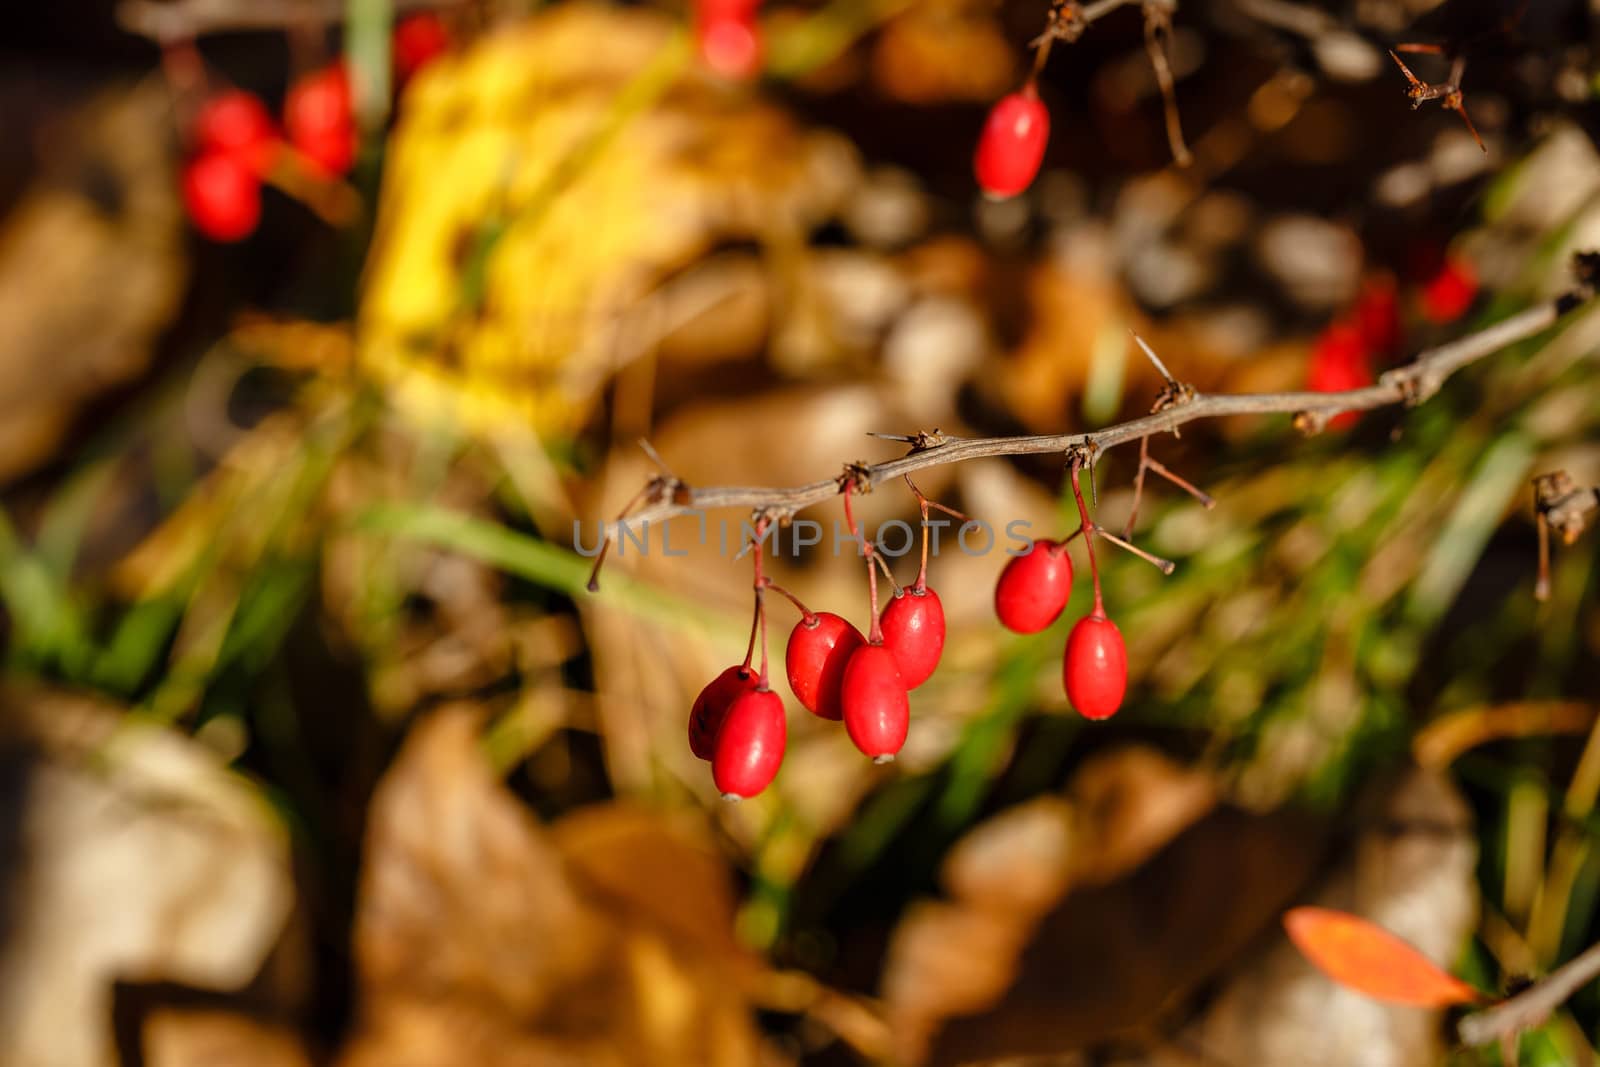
pixel 1034 587
pixel 819 649
pixel 750 745
pixel 913 631
pixel 877 713
pixel 1095 667
pixel 1012 144
pixel 711 707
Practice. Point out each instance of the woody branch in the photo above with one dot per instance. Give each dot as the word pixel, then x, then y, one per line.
pixel 1410 384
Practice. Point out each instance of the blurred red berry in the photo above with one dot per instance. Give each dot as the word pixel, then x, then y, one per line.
pixel 320 121
pixel 236 123
pixel 222 195
pixel 1378 315
pixel 1340 360
pixel 1450 292
pixel 1012 144
pixel 418 40
pixel 728 37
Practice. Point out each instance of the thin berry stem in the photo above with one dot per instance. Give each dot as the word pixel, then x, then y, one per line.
pixel 1148 463
pixel 758 556
pixel 1165 566
pixel 924 504
pixel 807 616
pixel 875 633
pixel 1410 385
pixel 1086 529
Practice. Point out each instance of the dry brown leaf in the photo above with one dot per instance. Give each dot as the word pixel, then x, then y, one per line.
pixel 1108 958
pixel 1017 881
pixel 175 1038
pixel 91 271
pixel 483 937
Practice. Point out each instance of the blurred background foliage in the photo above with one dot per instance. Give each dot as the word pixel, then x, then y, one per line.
pixel 316 749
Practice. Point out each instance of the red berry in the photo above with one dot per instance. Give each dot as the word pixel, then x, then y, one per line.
pixel 816 658
pixel 418 40
pixel 711 707
pixel 728 37
pixel 1378 315
pixel 236 123
pixel 222 196
pixel 877 713
pixel 1011 146
pixel 1095 669
pixel 1449 293
pixel 913 630
pixel 1339 361
pixel 750 745
pixel 1034 587
pixel 318 117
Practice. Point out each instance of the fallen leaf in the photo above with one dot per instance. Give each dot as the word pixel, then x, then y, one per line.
pixel 1409 868
pixel 1369 959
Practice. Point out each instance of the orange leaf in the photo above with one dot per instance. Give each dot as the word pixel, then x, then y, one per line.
pixel 1371 960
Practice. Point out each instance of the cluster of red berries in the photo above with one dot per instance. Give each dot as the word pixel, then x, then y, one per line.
pixel 1012 144
pixel 1347 351
pixel 835 673
pixel 728 38
pixel 1032 592
pixel 236 144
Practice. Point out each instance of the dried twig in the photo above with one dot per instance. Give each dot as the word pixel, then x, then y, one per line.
pixel 1533 1005
pixel 1410 384
pixel 1561 505
pixel 171 20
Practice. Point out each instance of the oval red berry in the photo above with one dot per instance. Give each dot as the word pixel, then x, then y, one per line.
pixel 222 195
pixel 750 745
pixel 913 630
pixel 418 40
pixel 711 707
pixel 236 123
pixel 877 713
pixel 816 658
pixel 729 39
pixel 320 122
pixel 1450 293
pixel 1012 144
pixel 1340 361
pixel 1095 668
pixel 1033 588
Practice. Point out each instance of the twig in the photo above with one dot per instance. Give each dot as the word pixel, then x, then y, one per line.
pixel 168 20
pixel 1410 384
pixel 1533 1005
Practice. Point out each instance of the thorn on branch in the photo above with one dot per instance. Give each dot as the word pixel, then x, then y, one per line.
pixel 661 489
pixel 1448 92
pixel 1562 506
pixel 1157 35
pixel 921 441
